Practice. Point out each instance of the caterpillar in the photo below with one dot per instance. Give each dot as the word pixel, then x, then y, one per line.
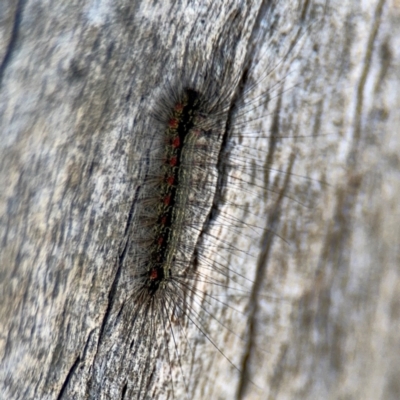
pixel 210 196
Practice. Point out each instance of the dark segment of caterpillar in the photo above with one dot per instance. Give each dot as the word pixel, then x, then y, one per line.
pixel 165 205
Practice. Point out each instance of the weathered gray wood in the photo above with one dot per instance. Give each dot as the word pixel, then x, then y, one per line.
pixel 77 84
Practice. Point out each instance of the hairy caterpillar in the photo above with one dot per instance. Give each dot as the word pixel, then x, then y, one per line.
pixel 210 196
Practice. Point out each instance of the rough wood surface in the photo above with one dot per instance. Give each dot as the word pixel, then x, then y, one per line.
pixel 77 81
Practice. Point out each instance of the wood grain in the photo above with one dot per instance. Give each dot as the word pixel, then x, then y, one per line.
pixel 77 81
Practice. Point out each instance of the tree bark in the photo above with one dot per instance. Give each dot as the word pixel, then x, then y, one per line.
pixel 320 313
